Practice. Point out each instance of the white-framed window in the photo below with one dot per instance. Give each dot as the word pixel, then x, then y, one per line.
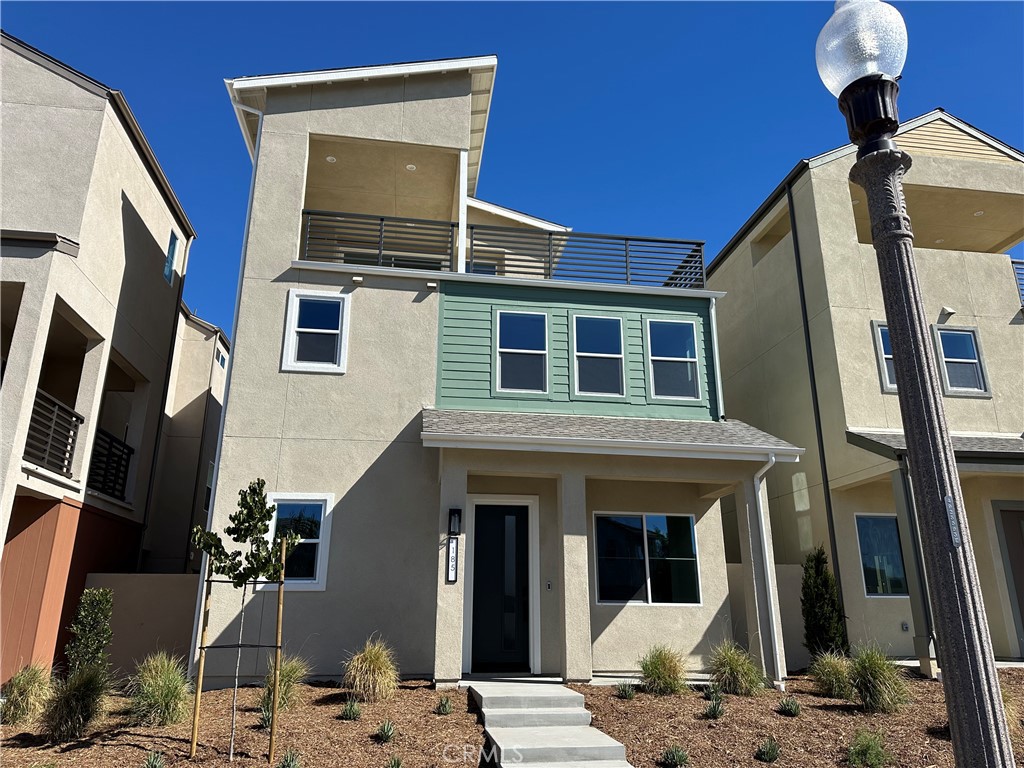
pixel 881 556
pixel 316 331
pixel 522 352
pixel 598 354
pixel 208 493
pixel 672 359
pixel 220 357
pixel 646 558
pixel 959 354
pixel 308 515
pixel 172 253
pixel 883 352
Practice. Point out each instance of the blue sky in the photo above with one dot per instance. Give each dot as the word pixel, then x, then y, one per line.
pixel 659 119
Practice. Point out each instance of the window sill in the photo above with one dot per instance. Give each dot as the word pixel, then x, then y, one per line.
pixel 300 368
pixel 967 393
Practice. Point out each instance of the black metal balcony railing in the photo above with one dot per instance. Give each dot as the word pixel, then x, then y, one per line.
pixel 506 251
pixel 52 434
pixel 1018 274
pixel 108 470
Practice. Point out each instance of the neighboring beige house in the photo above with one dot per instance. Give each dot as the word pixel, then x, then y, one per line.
pixel 500 440
pixel 93 252
pixel 805 355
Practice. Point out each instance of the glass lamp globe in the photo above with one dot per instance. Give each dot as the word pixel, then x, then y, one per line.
pixel 863 37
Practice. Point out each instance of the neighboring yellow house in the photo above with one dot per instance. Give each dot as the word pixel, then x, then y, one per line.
pixel 805 355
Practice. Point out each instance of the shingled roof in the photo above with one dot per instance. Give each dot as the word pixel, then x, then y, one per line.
pixel 894 444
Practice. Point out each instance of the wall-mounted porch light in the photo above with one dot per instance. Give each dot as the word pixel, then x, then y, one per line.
pixel 454 521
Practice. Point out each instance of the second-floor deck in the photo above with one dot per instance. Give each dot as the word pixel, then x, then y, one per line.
pixel 402 243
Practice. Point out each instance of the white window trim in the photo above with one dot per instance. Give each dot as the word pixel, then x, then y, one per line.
pixel 576 355
pixel 499 349
pixel 651 359
pixel 319 584
pixel 171 257
pixel 290 346
pixel 647 560
pixel 860 557
pixel 883 372
pixel 940 355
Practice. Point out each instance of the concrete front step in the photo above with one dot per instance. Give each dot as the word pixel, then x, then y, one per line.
pixel 584 764
pixel 524 696
pixel 553 744
pixel 540 716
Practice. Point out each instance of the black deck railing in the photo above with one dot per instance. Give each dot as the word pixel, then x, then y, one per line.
pixel 52 434
pixel 505 251
pixel 1018 275
pixel 108 469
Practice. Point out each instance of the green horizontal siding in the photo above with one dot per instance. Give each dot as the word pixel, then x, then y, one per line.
pixel 466 349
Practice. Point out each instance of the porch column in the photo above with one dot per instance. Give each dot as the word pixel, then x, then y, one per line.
pixel 89 402
pixel 577 647
pixel 764 624
pixel 448 631
pixel 924 648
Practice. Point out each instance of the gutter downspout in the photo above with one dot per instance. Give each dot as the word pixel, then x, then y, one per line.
pixel 769 576
pixel 719 394
pixel 227 381
pixel 908 496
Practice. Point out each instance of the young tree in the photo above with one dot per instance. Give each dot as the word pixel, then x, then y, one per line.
pixel 257 558
pixel 824 621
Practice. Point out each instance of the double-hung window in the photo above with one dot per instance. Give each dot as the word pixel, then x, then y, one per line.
pixel 599 360
pixel 172 253
pixel 672 359
pixel 960 356
pixel 881 556
pixel 883 349
pixel 308 515
pixel 646 558
pixel 316 331
pixel 522 352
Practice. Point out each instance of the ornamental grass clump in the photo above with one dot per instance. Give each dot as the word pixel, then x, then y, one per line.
pixel 625 691
pixel 880 685
pixel 789 707
pixel 385 732
pixel 74 704
pixel 444 706
pixel 290 759
pixel 768 751
pixel 675 756
pixel 372 673
pixel 831 674
pixel 867 750
pixel 159 690
pixel 394 762
pixel 24 695
pixel 294 670
pixel 734 671
pixel 714 709
pixel 663 671
pixel 153 760
pixel 351 710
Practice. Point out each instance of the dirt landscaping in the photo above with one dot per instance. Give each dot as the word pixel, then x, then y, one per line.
pixel 819 736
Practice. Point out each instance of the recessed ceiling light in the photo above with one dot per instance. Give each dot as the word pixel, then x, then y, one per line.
pixel 979 213
pixel 331 159
pixel 410 167
pixel 940 241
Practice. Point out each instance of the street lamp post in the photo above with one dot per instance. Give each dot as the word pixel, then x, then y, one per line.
pixel 860 53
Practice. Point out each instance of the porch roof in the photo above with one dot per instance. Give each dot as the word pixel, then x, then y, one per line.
pixel 570 433
pixel 892 445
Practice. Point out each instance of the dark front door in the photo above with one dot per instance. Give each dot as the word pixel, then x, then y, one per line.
pixel 501 598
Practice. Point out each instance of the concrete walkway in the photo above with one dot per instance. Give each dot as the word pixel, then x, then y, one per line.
pixel 543 725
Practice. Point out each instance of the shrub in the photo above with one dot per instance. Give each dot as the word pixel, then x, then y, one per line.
pixel 294 669
pixel 734 671
pixel 714 709
pixel 663 671
pixel 372 673
pixel 824 622
pixel 153 760
pixel 24 695
pixel 831 674
pixel 768 751
pixel 625 691
pixel 74 704
pixel 91 633
pixel 394 762
pixel 351 710
pixel 385 732
pixel 290 759
pixel 879 683
pixel 675 756
pixel 444 706
pixel 159 691
pixel 868 751
pixel 789 707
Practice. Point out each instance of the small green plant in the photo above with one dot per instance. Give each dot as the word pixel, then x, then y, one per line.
pixel 290 759
pixel 394 762
pixel 266 716
pixel 713 691
pixel 385 732
pixel 824 622
pixel 90 631
pixel 351 710
pixel 294 669
pixel 160 691
pixel 831 674
pixel 444 706
pixel 625 691
pixel 714 709
pixel 879 683
pixel 663 671
pixel 153 760
pixel 24 695
pixel 675 756
pixel 789 707
pixel 867 750
pixel 768 751
pixel 372 673
pixel 735 672
pixel 74 704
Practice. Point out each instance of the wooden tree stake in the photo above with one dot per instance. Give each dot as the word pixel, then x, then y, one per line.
pixel 199 672
pixel 277 654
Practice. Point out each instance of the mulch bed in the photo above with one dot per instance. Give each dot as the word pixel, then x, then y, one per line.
pixel 312 728
pixel 917 737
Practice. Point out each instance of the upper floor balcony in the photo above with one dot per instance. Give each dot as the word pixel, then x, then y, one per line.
pixel 517 252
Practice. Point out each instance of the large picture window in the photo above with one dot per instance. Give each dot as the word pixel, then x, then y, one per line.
pixel 672 359
pixel 881 556
pixel 597 345
pixel 646 558
pixel 308 516
pixel 316 332
pixel 522 352
pixel 962 371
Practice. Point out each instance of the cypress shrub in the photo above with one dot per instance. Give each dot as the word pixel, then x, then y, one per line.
pixel 824 622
